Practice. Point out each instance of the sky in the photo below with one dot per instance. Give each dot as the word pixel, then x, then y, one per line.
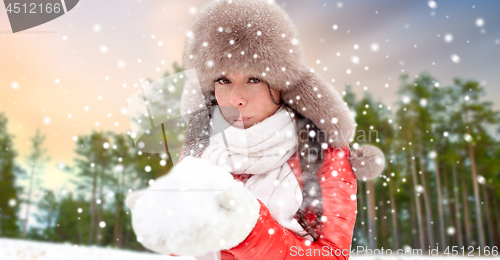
pixel 74 74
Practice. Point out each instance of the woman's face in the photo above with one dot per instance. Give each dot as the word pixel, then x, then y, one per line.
pixel 244 100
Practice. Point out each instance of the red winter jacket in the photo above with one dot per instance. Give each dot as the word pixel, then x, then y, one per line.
pixel 338 188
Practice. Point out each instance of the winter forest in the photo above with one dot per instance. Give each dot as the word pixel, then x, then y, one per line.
pixel 440 185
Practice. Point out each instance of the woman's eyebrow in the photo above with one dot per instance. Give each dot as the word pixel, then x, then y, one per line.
pixel 247 78
pixel 220 77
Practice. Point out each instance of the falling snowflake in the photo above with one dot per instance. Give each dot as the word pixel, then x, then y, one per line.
pixel 105 145
pixel 450 231
pixel 432 4
pixel 14 85
pixel 46 120
pixel 479 22
pixel 355 59
pixel 192 10
pixel 455 58
pixel 481 179
pixel 147 169
pixel 12 202
pixel 374 47
pixel 103 49
pixel 102 224
pixel 119 167
pixel 448 37
pixel 124 110
pixel 121 64
pixel 97 28
pixel 60 166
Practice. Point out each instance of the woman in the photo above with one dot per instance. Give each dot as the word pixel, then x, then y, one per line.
pixel 280 130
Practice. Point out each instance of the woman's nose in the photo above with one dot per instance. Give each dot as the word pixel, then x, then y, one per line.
pixel 238 96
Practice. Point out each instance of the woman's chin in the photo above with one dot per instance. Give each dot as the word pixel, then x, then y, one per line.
pixel 238 124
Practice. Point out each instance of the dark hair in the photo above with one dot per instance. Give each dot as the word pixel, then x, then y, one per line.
pixel 197 139
pixel 312 202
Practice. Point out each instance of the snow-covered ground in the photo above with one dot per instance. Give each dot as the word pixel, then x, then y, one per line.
pixel 16 249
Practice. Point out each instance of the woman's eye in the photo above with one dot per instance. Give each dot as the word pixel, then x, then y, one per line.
pixel 255 80
pixel 223 80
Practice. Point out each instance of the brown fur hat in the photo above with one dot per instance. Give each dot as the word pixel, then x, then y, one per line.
pixel 258 38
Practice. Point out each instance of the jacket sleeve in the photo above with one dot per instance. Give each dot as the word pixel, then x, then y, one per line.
pixel 269 240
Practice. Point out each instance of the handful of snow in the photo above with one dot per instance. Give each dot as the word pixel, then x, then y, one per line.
pixel 196 208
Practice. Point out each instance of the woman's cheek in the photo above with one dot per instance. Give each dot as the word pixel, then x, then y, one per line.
pixel 221 97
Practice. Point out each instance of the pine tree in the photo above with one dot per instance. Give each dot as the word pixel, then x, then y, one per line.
pixel 91 166
pixel 9 193
pixel 48 207
pixel 476 115
pixel 35 160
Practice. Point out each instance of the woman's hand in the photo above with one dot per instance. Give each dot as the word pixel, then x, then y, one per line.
pixel 195 209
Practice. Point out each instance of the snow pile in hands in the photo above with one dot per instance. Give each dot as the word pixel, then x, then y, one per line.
pixel 193 210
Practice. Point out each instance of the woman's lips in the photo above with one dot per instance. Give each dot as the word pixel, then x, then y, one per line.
pixel 238 119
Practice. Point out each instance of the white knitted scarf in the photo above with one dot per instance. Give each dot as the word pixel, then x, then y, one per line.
pixel 263 151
